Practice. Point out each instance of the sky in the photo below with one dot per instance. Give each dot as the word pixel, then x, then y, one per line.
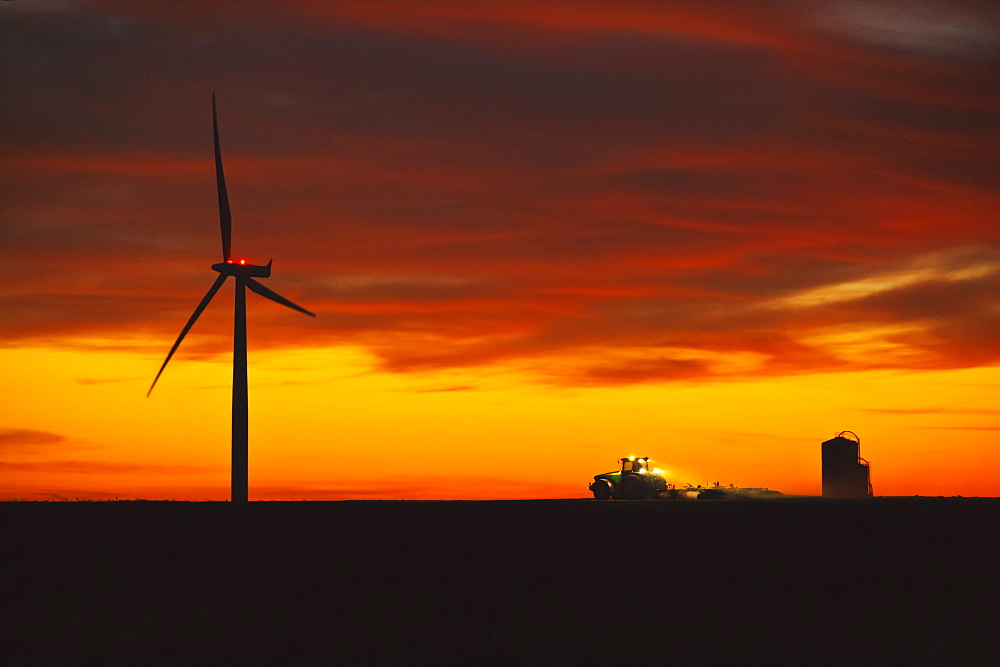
pixel 538 236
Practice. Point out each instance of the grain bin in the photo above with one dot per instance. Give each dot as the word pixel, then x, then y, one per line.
pixel 845 473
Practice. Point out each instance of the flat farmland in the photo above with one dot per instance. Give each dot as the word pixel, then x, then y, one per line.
pixel 784 581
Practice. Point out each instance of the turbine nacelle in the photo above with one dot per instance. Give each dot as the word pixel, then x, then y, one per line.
pixel 240 267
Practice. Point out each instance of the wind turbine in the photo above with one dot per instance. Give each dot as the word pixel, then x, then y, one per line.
pixel 244 274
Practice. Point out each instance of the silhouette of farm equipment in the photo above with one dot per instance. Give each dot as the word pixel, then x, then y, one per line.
pixel 636 481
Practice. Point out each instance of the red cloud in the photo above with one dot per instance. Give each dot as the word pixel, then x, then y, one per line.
pixel 456 185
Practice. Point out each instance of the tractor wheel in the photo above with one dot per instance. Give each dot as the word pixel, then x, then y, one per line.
pixel 602 491
pixel 634 488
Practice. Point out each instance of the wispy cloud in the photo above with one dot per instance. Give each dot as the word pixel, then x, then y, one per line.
pixel 20 438
pixel 918 26
pixel 610 192
pixel 934 411
pixel 95 467
pixel 426 487
pixel 964 428
pixel 459 387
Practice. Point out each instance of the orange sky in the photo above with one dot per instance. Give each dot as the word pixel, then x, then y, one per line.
pixel 538 236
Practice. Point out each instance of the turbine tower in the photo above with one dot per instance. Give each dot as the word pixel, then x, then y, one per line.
pixel 244 274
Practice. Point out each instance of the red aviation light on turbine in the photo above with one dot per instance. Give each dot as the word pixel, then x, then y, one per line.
pixel 242 267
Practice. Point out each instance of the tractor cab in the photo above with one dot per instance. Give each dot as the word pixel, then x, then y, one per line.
pixel 636 465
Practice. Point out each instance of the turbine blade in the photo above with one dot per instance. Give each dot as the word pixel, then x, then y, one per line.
pixel 225 216
pixel 274 296
pixel 187 327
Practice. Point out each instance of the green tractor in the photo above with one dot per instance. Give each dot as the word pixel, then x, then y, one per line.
pixel 635 481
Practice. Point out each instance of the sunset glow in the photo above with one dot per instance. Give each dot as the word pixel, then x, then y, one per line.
pixel 537 238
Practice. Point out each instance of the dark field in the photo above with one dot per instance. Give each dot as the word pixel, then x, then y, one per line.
pixel 807 581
